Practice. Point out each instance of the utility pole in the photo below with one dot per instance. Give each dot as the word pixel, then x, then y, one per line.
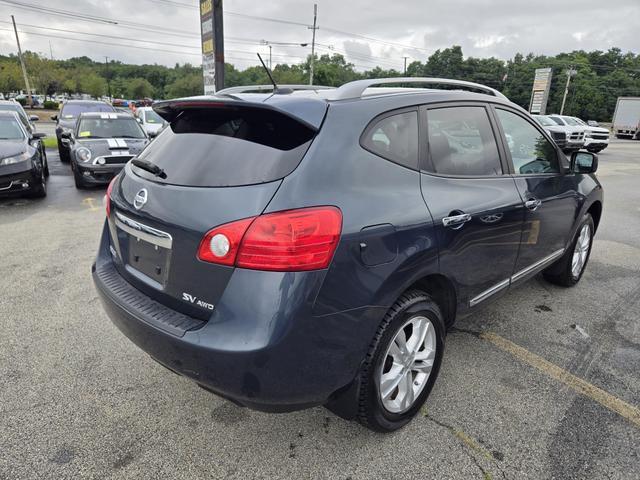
pixel 50 50
pixel 570 73
pixel 106 64
pixel 405 65
pixel 270 57
pixel 313 42
pixel 24 69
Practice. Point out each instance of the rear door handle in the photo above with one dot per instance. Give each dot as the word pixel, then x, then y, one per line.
pixel 456 221
pixel 533 204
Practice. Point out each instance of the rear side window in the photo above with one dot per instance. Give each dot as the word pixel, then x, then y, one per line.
pixel 461 142
pixel 220 147
pixel 394 137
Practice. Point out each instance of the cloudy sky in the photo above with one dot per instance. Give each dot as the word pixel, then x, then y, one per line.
pixel 369 32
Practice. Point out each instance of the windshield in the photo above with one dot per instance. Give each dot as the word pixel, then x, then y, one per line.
pixel 571 121
pixel 72 110
pixel 109 128
pixel 558 121
pixel 10 129
pixel 152 117
pixel 545 121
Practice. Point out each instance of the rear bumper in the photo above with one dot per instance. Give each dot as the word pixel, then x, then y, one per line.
pixel 261 348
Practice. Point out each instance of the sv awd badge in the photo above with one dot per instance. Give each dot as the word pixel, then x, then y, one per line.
pixel 187 297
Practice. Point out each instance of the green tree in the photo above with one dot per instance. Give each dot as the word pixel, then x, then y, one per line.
pixel 139 88
pixel 186 86
pixel 94 85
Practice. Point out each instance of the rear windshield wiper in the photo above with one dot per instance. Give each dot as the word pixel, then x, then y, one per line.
pixel 149 167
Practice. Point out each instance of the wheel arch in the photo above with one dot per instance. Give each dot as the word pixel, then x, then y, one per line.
pixel 595 209
pixel 442 291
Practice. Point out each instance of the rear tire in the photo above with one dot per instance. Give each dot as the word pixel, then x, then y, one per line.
pixel 568 270
pixel 407 351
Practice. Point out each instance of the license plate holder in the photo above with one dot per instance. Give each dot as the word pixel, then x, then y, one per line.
pixel 149 259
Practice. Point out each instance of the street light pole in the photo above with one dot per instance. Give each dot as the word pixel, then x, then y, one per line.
pixel 106 63
pixel 24 69
pixel 313 42
pixel 570 73
pixel 405 65
pixel 270 57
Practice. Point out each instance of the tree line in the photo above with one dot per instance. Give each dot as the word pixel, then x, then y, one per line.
pixel 600 77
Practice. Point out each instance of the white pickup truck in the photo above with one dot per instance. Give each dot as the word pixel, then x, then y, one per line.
pixel 596 139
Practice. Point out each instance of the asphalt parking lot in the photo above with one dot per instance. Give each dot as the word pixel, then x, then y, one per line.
pixel 542 383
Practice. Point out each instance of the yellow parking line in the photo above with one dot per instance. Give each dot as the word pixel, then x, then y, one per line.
pixel 621 407
pixel 89 202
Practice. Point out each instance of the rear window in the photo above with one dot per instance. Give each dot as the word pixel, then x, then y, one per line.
pixel 221 147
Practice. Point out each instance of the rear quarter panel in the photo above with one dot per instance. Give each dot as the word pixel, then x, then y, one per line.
pixel 370 191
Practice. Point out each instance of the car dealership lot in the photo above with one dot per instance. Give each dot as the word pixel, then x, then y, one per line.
pixel 542 383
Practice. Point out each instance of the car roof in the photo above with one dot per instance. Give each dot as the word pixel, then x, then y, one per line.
pixel 86 102
pixel 106 115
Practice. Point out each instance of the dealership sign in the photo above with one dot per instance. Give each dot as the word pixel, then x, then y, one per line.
pixel 212 45
pixel 540 92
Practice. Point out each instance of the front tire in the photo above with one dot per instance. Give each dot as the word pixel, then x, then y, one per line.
pixel 402 363
pixel 568 270
pixel 40 190
pixel 65 156
pixel 77 179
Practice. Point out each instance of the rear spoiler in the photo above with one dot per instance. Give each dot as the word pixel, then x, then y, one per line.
pixel 308 111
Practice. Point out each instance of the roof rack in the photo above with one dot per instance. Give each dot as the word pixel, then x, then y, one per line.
pixel 269 88
pixel 355 89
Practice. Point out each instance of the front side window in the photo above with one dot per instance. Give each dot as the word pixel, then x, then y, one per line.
pixel 531 152
pixel 109 128
pixel 462 143
pixel 395 138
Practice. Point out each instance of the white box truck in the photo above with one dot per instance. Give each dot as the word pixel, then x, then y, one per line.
pixel 626 118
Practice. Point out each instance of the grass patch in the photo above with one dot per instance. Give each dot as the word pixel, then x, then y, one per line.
pixel 50 142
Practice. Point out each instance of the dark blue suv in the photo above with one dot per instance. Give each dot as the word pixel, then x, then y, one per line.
pixel 311 246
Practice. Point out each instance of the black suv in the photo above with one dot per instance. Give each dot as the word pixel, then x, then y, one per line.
pixel 311 246
pixel 66 121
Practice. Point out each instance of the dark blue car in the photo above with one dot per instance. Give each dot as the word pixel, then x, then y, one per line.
pixel 311 247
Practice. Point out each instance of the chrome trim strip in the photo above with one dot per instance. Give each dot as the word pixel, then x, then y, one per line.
pixel 515 277
pixel 144 232
pixel 490 291
pixel 7 188
pixel 540 263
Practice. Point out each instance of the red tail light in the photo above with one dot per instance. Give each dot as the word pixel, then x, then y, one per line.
pixel 108 196
pixel 230 235
pixel 293 240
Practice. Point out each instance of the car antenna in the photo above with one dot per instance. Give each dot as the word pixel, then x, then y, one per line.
pixel 276 89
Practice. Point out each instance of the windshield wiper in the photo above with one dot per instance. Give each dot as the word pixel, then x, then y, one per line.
pixel 149 167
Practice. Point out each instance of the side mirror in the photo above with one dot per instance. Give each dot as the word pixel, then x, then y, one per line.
pixel 38 135
pixel 139 120
pixel 66 135
pixel 34 118
pixel 54 118
pixel 584 162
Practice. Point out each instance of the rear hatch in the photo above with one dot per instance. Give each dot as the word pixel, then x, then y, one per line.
pixel 221 161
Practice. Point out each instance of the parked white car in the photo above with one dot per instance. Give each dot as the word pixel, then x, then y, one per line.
pixel 151 122
pixel 596 138
pixel 575 133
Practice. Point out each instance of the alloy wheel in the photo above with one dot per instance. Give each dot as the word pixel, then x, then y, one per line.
pixel 407 364
pixel 581 251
